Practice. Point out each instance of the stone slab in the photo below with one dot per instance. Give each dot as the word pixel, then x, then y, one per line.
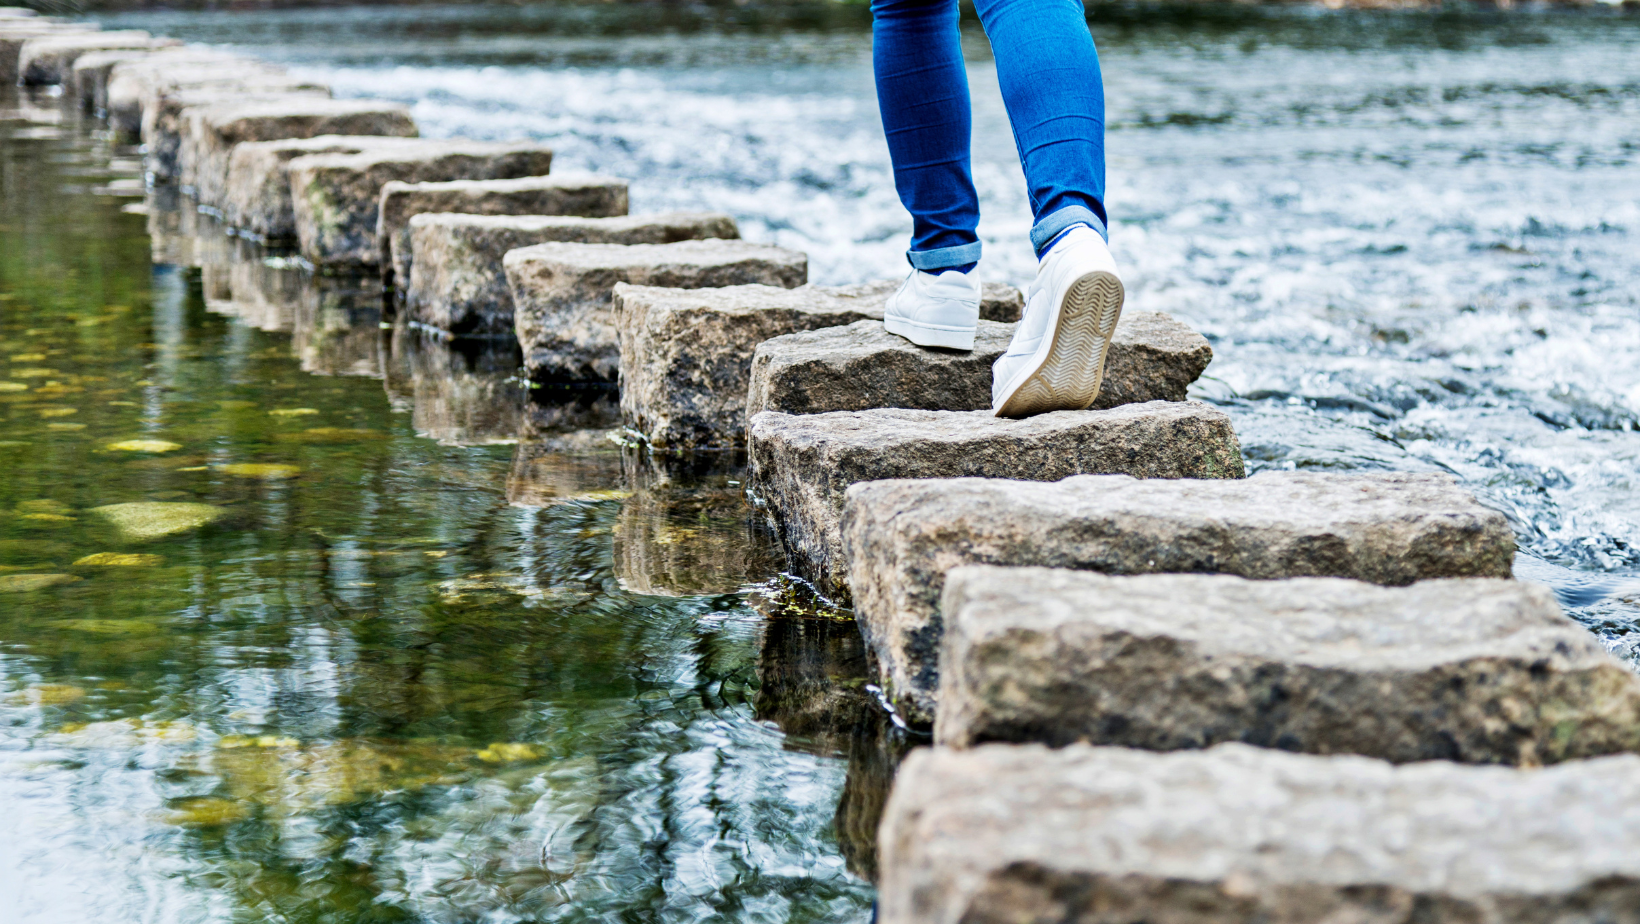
pixel 588 195
pixel 14 35
pixel 173 151
pixel 132 84
pixel 337 195
pixel 457 283
pixel 91 70
pixel 48 60
pixel 1010 833
pixel 861 366
pixel 256 194
pixel 215 130
pixel 562 293
pixel 803 465
pixel 1475 670
pixel 686 354
pixel 901 537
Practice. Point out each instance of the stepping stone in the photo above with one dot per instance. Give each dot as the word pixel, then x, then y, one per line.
pixel 14 35
pixel 901 537
pixel 132 85
pixel 585 194
pixel 802 465
pixel 337 195
pixel 562 293
pixel 1009 833
pixel 457 283
pixel 47 60
pixel 213 131
pixel 90 82
pixel 687 354
pixel 1475 670
pixel 862 366
pixel 256 194
pixel 170 131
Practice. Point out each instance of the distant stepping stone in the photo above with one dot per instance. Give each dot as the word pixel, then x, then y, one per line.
pixel 585 194
pixel 48 60
pixel 134 85
pixel 172 124
pixel 14 34
pixel 89 83
pixel 337 195
pixel 802 465
pixel 861 366
pixel 562 293
pixel 1168 662
pixel 1008 833
pixel 456 282
pixel 687 354
pixel 256 191
pixel 901 537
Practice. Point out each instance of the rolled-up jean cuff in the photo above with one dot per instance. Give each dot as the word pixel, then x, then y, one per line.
pixel 944 257
pixel 1051 226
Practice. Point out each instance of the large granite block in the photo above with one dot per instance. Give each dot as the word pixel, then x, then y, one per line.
pixel 456 281
pixel 337 195
pixel 45 60
pixel 585 194
pixel 562 293
pixel 901 537
pixel 215 130
pixel 256 195
pixel 861 366
pixel 686 354
pixel 132 85
pixel 15 34
pixel 170 124
pixel 1476 670
pixel 1013 833
pixel 89 86
pixel 802 465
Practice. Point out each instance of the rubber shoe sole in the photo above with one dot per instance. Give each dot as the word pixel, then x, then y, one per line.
pixel 1070 365
pixel 928 335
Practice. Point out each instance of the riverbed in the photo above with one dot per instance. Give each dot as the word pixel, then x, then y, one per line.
pixel 416 673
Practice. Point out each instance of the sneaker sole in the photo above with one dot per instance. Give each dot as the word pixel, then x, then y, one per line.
pixel 1070 370
pixel 950 338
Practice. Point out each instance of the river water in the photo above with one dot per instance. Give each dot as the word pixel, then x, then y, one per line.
pixel 414 673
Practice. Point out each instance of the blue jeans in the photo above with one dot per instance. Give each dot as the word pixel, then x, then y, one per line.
pixel 1049 73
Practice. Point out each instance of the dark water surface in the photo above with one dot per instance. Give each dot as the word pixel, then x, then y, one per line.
pixel 412 672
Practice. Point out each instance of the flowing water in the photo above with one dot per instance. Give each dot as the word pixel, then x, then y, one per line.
pixel 409 672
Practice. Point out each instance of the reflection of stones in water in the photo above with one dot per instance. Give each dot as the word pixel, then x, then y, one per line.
pixel 812 675
pixel 171 221
pixel 564 449
pixel 686 528
pixel 460 392
pixel 875 751
pixel 337 328
pixel 265 290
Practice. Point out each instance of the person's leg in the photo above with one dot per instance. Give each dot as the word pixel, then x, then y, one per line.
pixel 1048 70
pixel 922 91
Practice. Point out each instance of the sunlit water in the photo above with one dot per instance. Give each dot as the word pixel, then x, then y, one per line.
pixel 377 690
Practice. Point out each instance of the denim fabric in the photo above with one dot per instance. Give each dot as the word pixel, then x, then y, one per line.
pixel 1049 74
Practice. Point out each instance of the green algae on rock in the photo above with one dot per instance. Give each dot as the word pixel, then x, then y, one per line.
pixel 119 560
pixel 265 470
pixel 144 446
pixel 24 583
pixel 156 519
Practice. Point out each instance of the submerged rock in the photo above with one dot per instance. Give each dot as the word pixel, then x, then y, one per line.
pixel 901 537
pixel 1152 358
pixel 1008 833
pixel 562 293
pixel 153 446
pixel 801 465
pixel 1476 670
pixel 587 195
pixel 119 560
pixel 26 583
pixel 144 520
pixel 457 283
pixel 336 196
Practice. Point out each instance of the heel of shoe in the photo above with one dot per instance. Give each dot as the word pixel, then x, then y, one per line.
pixel 1073 371
pixel 945 338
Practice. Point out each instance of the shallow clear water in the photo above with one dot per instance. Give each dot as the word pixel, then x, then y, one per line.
pixel 422 676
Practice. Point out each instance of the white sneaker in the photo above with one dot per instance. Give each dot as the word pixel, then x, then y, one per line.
pixel 1056 360
pixel 935 311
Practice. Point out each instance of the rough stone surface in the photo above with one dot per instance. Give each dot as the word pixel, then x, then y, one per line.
pixel 861 366
pixel 562 293
pixel 49 59
pixel 91 70
pixel 215 130
pixel 256 198
pixel 13 35
pixel 1011 833
pixel 585 194
pixel 337 195
pixel 170 124
pixel 457 284
pixel 901 537
pixel 1476 670
pixel 132 84
pixel 802 465
pixel 686 354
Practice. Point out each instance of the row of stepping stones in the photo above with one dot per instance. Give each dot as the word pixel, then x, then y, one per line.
pixel 1158 689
